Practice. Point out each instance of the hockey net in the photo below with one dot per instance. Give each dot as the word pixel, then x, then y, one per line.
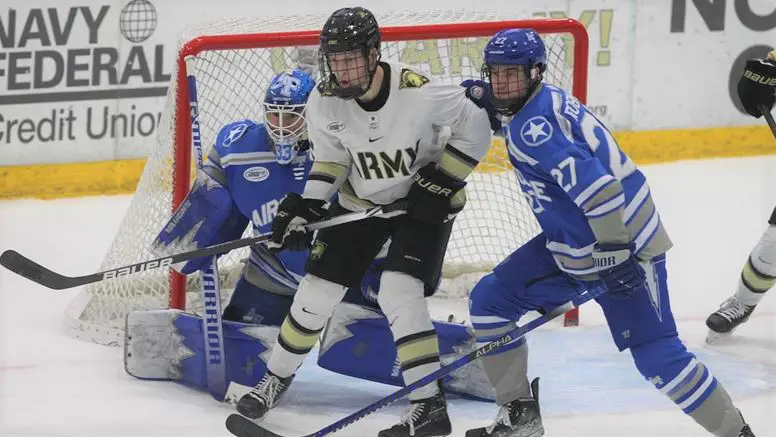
pixel 232 62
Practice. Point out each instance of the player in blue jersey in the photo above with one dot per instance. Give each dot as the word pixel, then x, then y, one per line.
pixel 756 89
pixel 249 170
pixel 600 229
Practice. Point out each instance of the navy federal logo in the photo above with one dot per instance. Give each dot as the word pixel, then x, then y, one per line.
pixel 412 79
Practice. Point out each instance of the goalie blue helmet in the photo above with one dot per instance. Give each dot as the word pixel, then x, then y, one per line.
pixel 515 60
pixel 284 113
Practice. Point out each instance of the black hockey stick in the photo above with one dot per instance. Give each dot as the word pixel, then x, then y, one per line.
pixel 244 427
pixel 768 118
pixel 23 266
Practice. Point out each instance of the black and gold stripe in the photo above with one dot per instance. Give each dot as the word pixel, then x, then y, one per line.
pixel 417 349
pixel 754 280
pixel 327 172
pixel 457 163
pixel 295 338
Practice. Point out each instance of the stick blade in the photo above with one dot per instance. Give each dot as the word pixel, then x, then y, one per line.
pixel 23 266
pixel 243 427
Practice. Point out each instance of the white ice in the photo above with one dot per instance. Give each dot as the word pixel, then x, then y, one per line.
pixel 52 385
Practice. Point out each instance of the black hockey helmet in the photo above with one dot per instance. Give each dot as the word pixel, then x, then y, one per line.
pixel 349 29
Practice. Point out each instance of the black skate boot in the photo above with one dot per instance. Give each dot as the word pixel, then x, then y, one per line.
pixel 425 418
pixel 726 319
pixel 267 393
pixel 519 418
pixel 746 432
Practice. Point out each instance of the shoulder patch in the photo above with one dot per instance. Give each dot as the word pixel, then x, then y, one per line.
pixel 235 133
pixel 411 79
pixel 536 131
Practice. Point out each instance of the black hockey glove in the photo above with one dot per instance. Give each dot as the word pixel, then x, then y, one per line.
pixel 294 212
pixel 758 85
pixel 620 270
pixel 430 194
pixel 478 91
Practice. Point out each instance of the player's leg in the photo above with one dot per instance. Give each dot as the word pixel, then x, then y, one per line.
pixel 358 342
pixel 757 277
pixel 528 280
pixel 415 260
pixel 338 259
pixel 643 323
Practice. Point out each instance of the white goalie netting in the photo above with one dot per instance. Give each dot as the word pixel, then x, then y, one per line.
pixel 231 83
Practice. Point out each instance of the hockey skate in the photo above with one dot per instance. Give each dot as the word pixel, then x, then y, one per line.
pixel 267 393
pixel 726 319
pixel 425 418
pixel 519 418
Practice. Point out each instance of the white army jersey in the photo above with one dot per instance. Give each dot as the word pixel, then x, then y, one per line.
pixel 385 142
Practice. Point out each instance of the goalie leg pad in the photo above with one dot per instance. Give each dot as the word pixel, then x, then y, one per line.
pixel 169 345
pixel 358 342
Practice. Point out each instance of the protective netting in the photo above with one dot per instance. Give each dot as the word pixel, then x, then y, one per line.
pixel 230 85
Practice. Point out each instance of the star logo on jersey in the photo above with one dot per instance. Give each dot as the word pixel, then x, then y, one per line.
pixel 235 134
pixel 537 130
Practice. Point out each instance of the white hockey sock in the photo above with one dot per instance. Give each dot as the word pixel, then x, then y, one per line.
pixel 314 303
pixel 759 272
pixel 401 299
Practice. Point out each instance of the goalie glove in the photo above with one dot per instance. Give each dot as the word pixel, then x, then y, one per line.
pixel 757 86
pixel 431 193
pixel 288 227
pixel 619 269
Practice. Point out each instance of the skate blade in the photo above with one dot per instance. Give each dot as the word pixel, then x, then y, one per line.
pixel 718 338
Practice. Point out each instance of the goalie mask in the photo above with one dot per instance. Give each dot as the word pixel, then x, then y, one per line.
pixel 284 113
pixel 515 61
pixel 349 52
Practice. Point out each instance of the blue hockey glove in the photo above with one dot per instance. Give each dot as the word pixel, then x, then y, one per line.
pixel 478 91
pixel 294 212
pixel 431 193
pixel 619 269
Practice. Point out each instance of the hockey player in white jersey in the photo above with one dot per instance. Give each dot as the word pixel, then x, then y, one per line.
pixel 756 89
pixel 601 231
pixel 381 133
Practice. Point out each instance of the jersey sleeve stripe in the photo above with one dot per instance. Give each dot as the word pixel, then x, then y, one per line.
pixel 607 207
pixel 457 163
pixel 593 189
pixel 635 204
pixel 324 179
pixel 239 158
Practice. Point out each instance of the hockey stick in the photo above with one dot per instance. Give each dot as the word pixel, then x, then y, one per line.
pixel 244 427
pixel 210 285
pixel 23 266
pixel 768 118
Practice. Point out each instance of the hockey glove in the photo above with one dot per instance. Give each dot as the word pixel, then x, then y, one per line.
pixel 430 194
pixel 478 91
pixel 758 84
pixel 294 212
pixel 619 269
